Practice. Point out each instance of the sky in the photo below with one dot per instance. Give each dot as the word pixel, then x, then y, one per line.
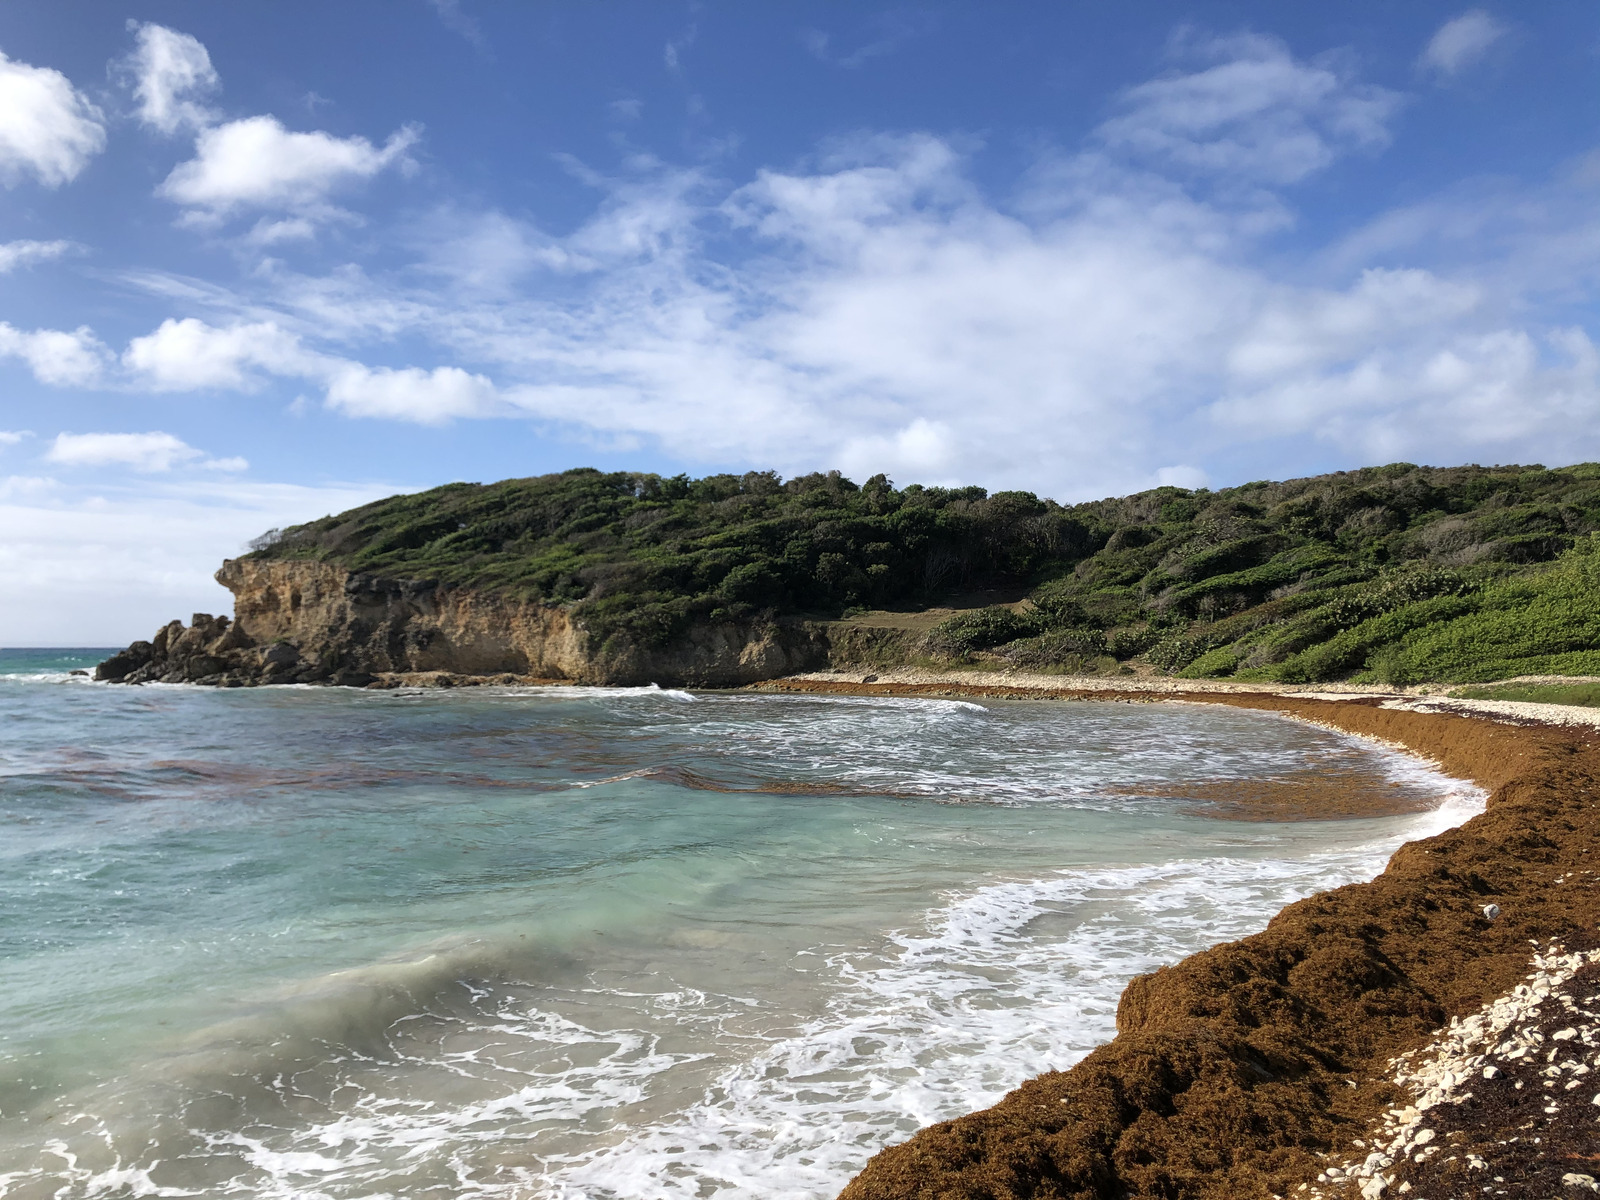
pixel 260 262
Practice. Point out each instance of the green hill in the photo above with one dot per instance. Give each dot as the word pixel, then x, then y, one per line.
pixel 1398 573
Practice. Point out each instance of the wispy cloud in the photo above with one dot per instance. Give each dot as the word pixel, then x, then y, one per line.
pixel 25 253
pixel 168 71
pixel 884 34
pixel 1460 43
pixel 1255 112
pixel 456 21
pixel 672 52
pixel 145 452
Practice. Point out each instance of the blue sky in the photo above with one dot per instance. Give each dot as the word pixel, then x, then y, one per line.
pixel 260 261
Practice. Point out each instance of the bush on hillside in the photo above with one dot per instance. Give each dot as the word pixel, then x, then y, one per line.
pixel 1389 572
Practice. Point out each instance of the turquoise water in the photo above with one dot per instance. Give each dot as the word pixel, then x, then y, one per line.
pixel 302 942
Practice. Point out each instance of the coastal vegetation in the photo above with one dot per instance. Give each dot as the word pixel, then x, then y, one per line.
pixel 1581 695
pixel 1397 574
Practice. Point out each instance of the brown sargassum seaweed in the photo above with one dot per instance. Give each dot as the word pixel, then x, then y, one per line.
pixel 1232 1071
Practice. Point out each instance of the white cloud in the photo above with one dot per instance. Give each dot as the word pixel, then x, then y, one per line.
pixel 412 394
pixel 257 163
pixel 885 316
pixel 453 19
pixel 10 437
pixel 1119 322
pixel 490 252
pixel 188 354
pixel 290 229
pixel 1459 43
pixel 1503 390
pixel 141 451
pixel 21 253
pixel 1257 114
pixel 168 70
pixel 152 544
pixel 56 356
pixel 1304 329
pixel 48 129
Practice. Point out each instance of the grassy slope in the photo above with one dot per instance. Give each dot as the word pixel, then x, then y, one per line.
pixel 1398 573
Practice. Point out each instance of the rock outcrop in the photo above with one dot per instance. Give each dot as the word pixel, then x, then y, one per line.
pixel 313 622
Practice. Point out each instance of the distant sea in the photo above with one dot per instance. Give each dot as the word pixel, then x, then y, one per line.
pixel 314 942
pixel 53 661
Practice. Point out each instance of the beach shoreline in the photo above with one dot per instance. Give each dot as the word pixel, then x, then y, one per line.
pixel 1258 1067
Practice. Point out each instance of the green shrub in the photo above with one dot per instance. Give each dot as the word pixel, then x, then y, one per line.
pixel 980 629
pixel 1222 661
pixel 1078 649
pixel 1125 643
pixel 1177 651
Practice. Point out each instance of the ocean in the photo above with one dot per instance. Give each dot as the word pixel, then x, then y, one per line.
pixel 590 942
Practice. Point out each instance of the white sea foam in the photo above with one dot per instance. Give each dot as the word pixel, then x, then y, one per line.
pixel 982 1000
pixel 998 984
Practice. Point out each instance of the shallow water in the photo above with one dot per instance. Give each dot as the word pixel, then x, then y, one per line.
pixel 301 942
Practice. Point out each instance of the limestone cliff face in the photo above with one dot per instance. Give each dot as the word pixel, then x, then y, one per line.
pixel 312 622
pixel 371 624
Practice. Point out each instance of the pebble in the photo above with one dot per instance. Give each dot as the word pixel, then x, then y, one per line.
pixel 1435 1073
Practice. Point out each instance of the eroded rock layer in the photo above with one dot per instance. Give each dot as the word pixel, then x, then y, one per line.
pixel 1245 1071
pixel 312 622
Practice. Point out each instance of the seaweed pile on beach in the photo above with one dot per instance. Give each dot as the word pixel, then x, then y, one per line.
pixel 1268 1067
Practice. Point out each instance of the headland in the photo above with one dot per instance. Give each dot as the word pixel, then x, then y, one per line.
pixel 1397 576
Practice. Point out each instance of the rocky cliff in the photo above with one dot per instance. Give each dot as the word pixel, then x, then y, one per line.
pixel 314 622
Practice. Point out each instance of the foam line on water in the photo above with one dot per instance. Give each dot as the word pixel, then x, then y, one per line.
pixel 649 691
pixel 996 985
pixel 961 1014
